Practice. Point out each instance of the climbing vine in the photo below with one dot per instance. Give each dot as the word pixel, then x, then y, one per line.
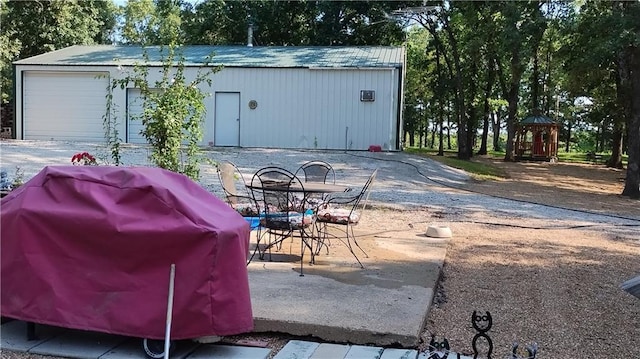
pixel 173 109
pixel 110 125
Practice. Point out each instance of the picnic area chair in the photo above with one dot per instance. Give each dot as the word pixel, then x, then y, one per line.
pixel 284 212
pixel 317 171
pixel 240 199
pixel 322 172
pixel 343 213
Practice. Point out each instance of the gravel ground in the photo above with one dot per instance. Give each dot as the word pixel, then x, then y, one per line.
pixel 403 182
pixel 546 274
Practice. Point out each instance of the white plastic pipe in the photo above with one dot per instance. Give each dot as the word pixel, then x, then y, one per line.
pixel 167 336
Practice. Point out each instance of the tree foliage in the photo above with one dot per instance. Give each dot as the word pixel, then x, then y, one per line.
pixel 31 28
pixel 473 67
pixel 173 108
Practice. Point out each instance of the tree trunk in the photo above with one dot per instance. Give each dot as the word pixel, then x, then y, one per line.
pixel 449 130
pixel 464 152
pixel 485 131
pixel 632 182
pixel 472 119
pixel 535 82
pixel 566 147
pixel 486 110
pixel 496 131
pixel 514 92
pixel 511 94
pixel 441 139
pixel 615 161
pixel 510 150
pixel 433 135
pixel 441 98
pixel 623 98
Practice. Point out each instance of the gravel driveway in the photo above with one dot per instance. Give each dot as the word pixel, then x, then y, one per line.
pixel 404 181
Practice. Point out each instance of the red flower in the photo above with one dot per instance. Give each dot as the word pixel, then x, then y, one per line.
pixel 84 158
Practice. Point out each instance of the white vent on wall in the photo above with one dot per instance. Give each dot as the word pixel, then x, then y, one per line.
pixel 367 95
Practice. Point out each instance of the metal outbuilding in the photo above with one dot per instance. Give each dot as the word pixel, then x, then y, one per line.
pixel 344 98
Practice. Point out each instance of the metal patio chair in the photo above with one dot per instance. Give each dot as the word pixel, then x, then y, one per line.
pixel 241 198
pixel 284 212
pixel 238 196
pixel 317 171
pixel 322 172
pixel 343 213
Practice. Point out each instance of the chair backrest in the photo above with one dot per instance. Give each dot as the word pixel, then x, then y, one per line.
pixel 272 186
pixel 347 209
pixel 317 171
pixel 363 197
pixel 229 175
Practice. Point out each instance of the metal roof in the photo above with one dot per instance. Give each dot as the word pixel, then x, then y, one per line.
pixel 537 120
pixel 229 56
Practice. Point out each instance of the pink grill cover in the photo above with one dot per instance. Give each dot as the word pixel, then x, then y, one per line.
pixel 91 247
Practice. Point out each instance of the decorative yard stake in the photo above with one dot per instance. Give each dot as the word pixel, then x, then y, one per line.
pixel 482 324
pixel 435 348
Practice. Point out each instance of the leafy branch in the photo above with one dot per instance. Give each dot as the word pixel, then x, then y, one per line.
pixel 173 109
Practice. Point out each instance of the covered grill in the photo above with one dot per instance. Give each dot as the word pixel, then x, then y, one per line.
pixel 90 247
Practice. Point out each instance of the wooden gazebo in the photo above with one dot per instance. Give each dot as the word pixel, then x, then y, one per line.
pixel 537 139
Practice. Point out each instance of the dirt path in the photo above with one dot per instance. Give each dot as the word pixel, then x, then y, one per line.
pixel 568 185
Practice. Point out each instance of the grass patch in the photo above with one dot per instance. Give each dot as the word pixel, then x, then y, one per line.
pixel 485 171
pixel 477 170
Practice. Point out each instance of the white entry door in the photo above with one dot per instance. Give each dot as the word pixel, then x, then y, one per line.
pixel 226 127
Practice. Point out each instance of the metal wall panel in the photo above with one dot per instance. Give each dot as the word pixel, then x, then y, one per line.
pixel 313 108
pixel 317 108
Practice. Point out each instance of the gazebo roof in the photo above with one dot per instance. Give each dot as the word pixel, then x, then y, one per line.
pixel 537 120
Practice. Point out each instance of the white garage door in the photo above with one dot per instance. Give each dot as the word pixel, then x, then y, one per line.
pixel 134 110
pixel 64 105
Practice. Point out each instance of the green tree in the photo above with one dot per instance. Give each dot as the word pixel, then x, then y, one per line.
pixel 608 64
pixel 310 23
pixel 31 28
pixel 174 109
pixel 9 50
pixel 149 22
pixel 445 39
pixel 418 84
pixel 522 30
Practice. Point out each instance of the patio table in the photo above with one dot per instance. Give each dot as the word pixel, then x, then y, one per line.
pixel 306 189
pixel 309 187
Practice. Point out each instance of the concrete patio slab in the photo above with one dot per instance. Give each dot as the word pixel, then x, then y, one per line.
pixel 384 304
pixel 13 335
